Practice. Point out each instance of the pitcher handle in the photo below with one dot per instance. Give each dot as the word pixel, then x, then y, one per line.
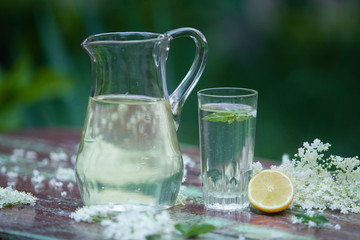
pixel 181 93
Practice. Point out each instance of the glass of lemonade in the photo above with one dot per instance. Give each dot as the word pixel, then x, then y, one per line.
pixel 227 119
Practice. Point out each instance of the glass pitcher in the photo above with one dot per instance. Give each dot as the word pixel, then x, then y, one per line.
pixel 129 153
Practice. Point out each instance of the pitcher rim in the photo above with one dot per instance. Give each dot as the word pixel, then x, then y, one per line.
pixel 153 37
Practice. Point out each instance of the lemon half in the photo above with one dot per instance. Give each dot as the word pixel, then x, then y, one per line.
pixel 271 191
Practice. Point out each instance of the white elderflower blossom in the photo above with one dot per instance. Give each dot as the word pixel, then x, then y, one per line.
pixel 45 161
pixel 323 183
pixel 73 159
pixel 70 186
pixel 256 168
pixel 91 214
pixel 65 174
pixel 31 155
pixel 11 197
pixel 58 156
pixel 312 224
pixel 137 224
pixel 37 179
pixel 337 227
pixel 285 158
pixel 129 225
pixel 55 184
pixel 18 153
pixel 295 220
pixel 12 175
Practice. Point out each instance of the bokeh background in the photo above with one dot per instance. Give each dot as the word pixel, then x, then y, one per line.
pixel 302 56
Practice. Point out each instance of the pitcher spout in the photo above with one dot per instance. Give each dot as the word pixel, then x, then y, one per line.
pixel 124 63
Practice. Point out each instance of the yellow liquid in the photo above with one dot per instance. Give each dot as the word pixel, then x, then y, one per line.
pixel 129 153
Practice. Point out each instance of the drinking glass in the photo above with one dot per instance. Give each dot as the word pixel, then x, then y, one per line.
pixel 227 119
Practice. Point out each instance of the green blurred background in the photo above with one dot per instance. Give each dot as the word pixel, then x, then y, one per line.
pixel 302 56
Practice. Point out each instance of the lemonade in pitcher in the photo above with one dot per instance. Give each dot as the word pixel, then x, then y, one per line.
pixel 130 153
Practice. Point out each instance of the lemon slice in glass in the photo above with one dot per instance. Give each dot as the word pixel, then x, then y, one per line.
pixel 271 191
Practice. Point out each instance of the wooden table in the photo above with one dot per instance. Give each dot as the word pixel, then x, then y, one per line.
pixel 49 218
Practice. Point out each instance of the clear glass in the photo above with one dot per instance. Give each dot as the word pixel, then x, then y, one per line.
pixel 227 118
pixel 129 152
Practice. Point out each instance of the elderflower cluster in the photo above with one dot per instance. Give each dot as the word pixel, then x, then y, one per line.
pixel 257 167
pixel 65 174
pixel 131 224
pixel 11 197
pixel 323 183
pixel 137 224
pixel 91 214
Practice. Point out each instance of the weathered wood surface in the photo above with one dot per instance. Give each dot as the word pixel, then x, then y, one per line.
pixel 49 218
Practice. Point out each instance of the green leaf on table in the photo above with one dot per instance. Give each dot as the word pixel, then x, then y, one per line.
pixel 194 230
pixel 153 237
pixel 317 218
pixel 229 116
pixel 303 217
pixel 320 219
pixel 182 227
